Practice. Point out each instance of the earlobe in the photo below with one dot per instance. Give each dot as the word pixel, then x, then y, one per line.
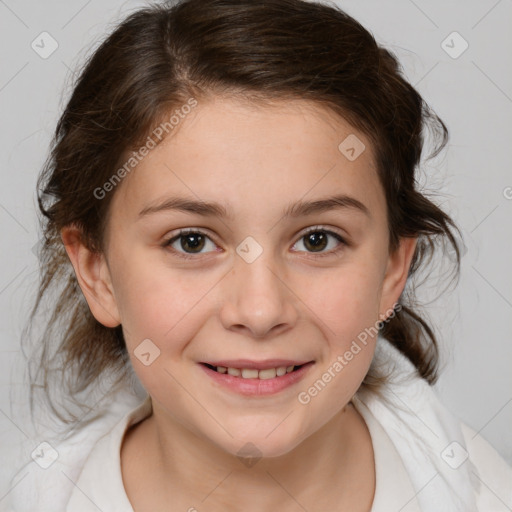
pixel 93 276
pixel 397 271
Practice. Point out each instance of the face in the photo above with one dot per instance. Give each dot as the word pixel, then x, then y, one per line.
pixel 260 281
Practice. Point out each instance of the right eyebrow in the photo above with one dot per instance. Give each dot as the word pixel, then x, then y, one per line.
pixel 188 206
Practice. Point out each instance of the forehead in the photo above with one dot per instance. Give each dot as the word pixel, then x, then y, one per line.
pixel 248 156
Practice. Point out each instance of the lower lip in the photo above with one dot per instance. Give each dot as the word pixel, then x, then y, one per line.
pixel 258 387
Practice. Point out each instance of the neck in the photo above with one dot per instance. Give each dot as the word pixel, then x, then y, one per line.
pixel 333 466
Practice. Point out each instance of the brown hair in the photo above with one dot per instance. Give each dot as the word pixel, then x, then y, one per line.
pixel 161 56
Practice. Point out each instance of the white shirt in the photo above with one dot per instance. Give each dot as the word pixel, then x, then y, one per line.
pixel 100 485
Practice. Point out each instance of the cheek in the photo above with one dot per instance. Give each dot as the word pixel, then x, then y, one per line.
pixel 348 307
pixel 155 308
pixel 347 301
pixel 160 319
pixel 164 305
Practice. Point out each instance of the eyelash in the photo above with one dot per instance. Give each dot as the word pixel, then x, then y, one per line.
pixel 316 229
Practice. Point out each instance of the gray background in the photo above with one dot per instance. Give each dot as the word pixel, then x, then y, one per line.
pixel 472 179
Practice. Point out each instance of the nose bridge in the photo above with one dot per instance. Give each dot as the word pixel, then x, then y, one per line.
pixel 256 269
pixel 257 297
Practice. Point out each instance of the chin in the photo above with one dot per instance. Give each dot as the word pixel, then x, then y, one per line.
pixel 259 442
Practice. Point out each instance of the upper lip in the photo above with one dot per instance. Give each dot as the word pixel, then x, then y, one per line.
pixel 258 365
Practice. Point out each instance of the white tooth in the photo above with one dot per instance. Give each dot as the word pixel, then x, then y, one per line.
pixel 269 373
pixel 253 373
pixel 249 373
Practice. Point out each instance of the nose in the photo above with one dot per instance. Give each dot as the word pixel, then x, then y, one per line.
pixel 257 298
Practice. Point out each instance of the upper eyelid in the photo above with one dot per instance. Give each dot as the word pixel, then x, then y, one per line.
pixel 328 229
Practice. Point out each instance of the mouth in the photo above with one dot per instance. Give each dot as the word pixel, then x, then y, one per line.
pixel 259 371
pixel 252 379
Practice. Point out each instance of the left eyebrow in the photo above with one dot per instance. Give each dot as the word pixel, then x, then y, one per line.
pixel 298 209
pixel 342 201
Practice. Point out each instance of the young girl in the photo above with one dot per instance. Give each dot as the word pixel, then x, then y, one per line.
pixel 232 223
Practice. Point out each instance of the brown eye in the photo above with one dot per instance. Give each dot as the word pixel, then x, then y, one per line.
pixel 188 243
pixel 193 242
pixel 316 240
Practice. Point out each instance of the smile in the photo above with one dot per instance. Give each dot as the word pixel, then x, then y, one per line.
pixel 254 373
pixel 256 379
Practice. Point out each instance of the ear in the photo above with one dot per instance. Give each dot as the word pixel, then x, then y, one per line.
pixel 395 278
pixel 93 276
